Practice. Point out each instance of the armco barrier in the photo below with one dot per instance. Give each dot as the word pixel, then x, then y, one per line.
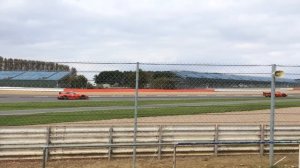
pixel 140 90
pixel 27 142
pixel 31 89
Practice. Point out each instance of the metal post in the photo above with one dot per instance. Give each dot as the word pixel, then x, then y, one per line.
pixel 272 117
pixel 174 156
pixel 159 141
pixel 299 157
pixel 44 158
pixel 110 141
pixel 216 139
pixel 135 114
pixel 262 139
pixel 48 142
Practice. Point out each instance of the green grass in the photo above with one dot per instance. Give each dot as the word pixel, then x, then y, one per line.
pixel 82 103
pixel 62 104
pixel 59 117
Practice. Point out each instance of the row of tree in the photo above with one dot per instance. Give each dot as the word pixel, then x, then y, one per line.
pixel 71 81
pixel 125 79
pixel 75 81
pixel 147 79
pixel 9 64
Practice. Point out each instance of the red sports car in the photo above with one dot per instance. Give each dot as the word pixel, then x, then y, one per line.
pixel 71 96
pixel 277 94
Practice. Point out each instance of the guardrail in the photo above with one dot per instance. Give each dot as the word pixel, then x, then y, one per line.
pixel 31 89
pixel 107 142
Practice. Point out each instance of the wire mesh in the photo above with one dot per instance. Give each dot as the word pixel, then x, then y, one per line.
pixel 202 93
pixel 84 93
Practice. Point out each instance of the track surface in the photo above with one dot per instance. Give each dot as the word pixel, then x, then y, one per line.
pixel 13 98
pixel 78 109
pixel 33 98
pixel 29 98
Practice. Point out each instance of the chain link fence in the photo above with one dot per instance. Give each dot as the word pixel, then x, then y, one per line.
pixel 167 94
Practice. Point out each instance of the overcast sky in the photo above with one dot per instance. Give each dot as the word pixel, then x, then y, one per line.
pixel 166 31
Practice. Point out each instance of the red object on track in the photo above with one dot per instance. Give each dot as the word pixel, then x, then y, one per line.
pixel 277 94
pixel 71 96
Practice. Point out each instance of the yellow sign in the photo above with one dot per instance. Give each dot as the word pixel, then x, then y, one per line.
pixel 279 74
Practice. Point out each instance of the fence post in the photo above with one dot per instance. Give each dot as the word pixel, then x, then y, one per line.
pixel 47 143
pixel 174 156
pixel 272 117
pixel 110 141
pixel 262 139
pixel 216 139
pixel 135 114
pixel 44 158
pixel 159 141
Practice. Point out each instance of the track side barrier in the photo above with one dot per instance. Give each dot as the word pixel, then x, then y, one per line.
pixel 31 89
pixel 140 90
pixel 27 142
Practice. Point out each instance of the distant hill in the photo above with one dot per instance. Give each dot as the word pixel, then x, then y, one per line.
pixel 9 64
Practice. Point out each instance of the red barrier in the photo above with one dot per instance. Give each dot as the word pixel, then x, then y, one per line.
pixel 140 90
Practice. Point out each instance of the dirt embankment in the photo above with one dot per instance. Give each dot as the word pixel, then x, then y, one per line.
pixel 246 161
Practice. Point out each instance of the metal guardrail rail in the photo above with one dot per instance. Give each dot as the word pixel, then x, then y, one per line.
pixel 107 142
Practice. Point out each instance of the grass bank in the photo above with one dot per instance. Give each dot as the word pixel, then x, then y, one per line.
pixel 83 103
pixel 59 117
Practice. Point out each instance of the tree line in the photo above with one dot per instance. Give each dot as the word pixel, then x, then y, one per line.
pixel 123 79
pixel 71 81
pixel 147 79
pixel 9 64
pixel 75 81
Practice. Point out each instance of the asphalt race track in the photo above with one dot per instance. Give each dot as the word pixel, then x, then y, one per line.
pixel 78 109
pixel 35 98
pixel 12 98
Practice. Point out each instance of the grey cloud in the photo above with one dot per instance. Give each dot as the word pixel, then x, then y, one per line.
pixel 163 31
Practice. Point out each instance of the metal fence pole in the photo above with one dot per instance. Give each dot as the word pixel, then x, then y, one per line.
pixel 110 142
pixel 262 139
pixel 44 160
pixel 272 117
pixel 299 156
pixel 174 156
pixel 135 114
pixel 48 142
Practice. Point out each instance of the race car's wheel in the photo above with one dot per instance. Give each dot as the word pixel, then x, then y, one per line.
pixel 83 97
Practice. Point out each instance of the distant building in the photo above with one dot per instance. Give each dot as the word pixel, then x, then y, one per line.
pixel 191 79
pixel 32 79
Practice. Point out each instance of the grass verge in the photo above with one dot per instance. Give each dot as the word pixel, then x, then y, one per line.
pixel 59 117
pixel 83 103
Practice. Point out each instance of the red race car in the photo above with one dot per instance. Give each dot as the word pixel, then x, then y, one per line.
pixel 71 96
pixel 277 94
